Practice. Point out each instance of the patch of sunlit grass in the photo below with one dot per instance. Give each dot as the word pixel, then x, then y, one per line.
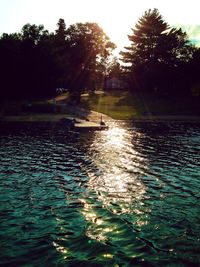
pixel 115 104
pixel 120 104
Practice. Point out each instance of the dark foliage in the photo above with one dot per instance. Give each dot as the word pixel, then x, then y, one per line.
pixel 35 62
pixel 158 58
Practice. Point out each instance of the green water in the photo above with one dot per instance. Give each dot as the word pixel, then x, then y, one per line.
pixel 128 196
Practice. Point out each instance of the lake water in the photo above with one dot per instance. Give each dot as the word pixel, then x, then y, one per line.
pixel 129 196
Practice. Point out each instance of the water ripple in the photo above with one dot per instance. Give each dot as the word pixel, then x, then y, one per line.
pixel 128 196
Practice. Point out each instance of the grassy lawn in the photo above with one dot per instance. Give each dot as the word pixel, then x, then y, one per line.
pixel 118 104
pixel 115 104
pixel 124 105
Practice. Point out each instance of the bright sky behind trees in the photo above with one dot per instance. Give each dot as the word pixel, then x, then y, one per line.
pixel 116 17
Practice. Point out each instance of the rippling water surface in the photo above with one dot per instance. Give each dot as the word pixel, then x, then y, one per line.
pixel 129 196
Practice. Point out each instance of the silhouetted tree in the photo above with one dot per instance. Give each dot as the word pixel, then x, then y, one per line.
pixel 192 73
pixel 155 54
pixel 60 53
pixel 10 54
pixel 114 68
pixel 33 32
pixel 36 62
pixel 27 65
pixel 89 48
pixel 61 30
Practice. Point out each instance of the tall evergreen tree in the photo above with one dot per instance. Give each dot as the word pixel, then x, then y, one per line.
pixel 61 30
pixel 60 48
pixel 155 53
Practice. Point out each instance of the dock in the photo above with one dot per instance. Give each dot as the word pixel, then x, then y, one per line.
pixel 79 124
pixel 89 125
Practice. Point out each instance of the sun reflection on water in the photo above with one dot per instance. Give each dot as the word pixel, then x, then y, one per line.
pixel 115 181
pixel 99 227
pixel 115 137
pixel 120 167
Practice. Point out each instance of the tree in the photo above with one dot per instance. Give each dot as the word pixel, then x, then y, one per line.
pixel 37 62
pixel 33 32
pixel 10 54
pixel 60 54
pixel 155 54
pixel 89 50
pixel 192 73
pixel 114 68
pixel 27 67
pixel 61 30
pixel 34 62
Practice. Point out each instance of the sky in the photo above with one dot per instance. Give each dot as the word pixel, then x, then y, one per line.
pixel 116 17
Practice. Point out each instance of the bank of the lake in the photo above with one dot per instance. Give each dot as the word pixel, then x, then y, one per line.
pixel 116 104
pixel 96 118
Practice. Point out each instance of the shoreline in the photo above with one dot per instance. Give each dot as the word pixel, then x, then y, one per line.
pixel 96 116
pixel 168 118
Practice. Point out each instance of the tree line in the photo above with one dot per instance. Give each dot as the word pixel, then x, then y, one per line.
pixel 158 60
pixel 35 62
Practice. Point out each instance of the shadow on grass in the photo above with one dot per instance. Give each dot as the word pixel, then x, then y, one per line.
pixel 152 104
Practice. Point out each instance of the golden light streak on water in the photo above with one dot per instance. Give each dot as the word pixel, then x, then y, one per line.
pixel 61 249
pixel 97 228
pixel 115 137
pixel 108 256
pixel 119 181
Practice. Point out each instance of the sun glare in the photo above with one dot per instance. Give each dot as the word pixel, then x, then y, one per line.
pixel 119 165
pixel 117 20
